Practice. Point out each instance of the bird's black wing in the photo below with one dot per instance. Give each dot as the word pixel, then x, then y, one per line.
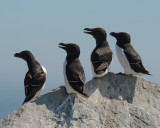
pixel 33 84
pixel 75 75
pixel 134 60
pixel 101 59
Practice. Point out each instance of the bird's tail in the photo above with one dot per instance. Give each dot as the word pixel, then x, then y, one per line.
pixel 26 100
pixel 23 102
pixel 147 73
pixel 84 95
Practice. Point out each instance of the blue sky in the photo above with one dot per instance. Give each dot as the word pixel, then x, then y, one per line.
pixel 40 25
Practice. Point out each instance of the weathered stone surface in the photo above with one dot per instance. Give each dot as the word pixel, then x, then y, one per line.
pixel 116 101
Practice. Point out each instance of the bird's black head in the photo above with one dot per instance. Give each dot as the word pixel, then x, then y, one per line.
pixel 26 55
pixel 98 33
pixel 122 38
pixel 72 50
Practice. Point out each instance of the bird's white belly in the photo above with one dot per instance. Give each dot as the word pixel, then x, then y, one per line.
pixel 69 89
pixel 124 62
pixel 98 75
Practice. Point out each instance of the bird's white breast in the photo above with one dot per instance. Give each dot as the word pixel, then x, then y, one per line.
pixel 122 58
pixel 46 75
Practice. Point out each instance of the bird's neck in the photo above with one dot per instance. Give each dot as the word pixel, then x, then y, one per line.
pixel 70 59
pixel 102 43
pixel 33 65
pixel 122 45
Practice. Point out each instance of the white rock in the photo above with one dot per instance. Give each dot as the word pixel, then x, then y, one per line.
pixel 116 101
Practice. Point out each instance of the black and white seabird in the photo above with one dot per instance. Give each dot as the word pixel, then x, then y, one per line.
pixel 35 78
pixel 127 56
pixel 73 71
pixel 101 56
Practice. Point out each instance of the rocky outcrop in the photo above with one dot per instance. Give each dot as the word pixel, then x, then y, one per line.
pixel 116 101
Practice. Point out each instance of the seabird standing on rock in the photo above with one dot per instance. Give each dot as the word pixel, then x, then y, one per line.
pixel 73 71
pixel 128 57
pixel 101 56
pixel 35 78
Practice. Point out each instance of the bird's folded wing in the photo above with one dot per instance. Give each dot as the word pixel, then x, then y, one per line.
pixel 76 77
pixel 34 84
pixel 135 61
pixel 104 60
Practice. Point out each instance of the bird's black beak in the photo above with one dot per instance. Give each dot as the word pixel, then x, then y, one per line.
pixel 113 34
pixel 17 55
pixel 88 31
pixel 63 46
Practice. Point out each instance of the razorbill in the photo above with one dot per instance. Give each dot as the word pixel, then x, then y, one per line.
pixel 127 56
pixel 35 78
pixel 101 56
pixel 73 71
